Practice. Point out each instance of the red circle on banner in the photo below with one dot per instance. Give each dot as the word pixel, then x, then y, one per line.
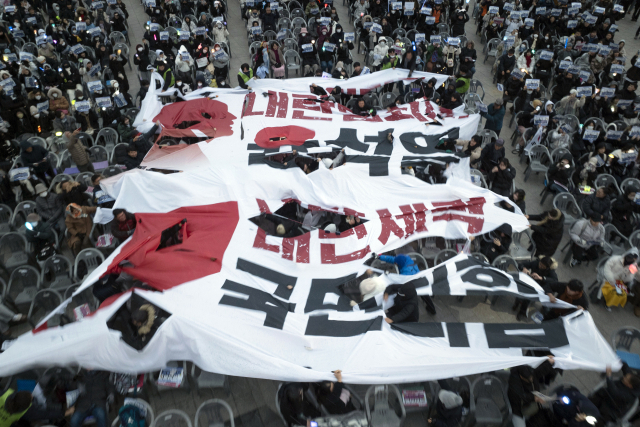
pixel 285 135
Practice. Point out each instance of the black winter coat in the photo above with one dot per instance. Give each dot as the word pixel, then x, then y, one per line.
pixel 547 236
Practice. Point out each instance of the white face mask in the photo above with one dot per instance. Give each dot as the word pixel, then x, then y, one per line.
pixel 55 95
pixel 140 49
pixel 44 194
pixel 38 97
pixel 68 70
pixel 37 115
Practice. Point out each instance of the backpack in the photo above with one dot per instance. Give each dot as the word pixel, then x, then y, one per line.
pixel 131 416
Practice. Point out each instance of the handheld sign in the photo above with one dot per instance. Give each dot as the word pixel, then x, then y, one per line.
pixel 408 12
pixel 367 25
pixel 635 131
pixel 409 5
pixel 202 62
pixel 200 31
pixel 508 7
pixel 516 73
pixel 453 41
pixel 77 49
pixel 254 30
pixel 636 107
pixel 509 40
pixel 30 82
pixel 616 69
pixel 624 102
pixel 185 35
pixel 41 40
pixel 94 32
pixel 282 34
pixel 614 135
pixel 82 106
pixel 26 56
pixel 494 10
pixel 498 21
pixel 618 8
pixel 500 87
pixel 573 11
pixel 104 102
pixel 9 9
pixel 435 39
pixel 541 10
pixel 425 11
pixel 430 20
pixel 111 1
pixel 420 38
pixel 396 5
pixel 556 12
pixel 94 86
pixel 584 75
pixel 42 106
pixel 97 5
pixel 95 69
pixel 17 33
pixel 481 107
pixel 350 37
pixel 221 19
pixel 591 19
pixel 532 83
pixel 609 92
pixel 164 35
pixel 32 20
pixel 11 57
pixel 591 135
pixel 529 22
pixel 324 20
pixel 376 28
pixel 328 47
pixel 306 48
pixel 546 55
pixel 540 120
pixel 120 100
pixel 151 3
pixel 599 10
pixel 184 56
pixel 219 54
pixel 584 91
pixel 573 69
pixel 154 27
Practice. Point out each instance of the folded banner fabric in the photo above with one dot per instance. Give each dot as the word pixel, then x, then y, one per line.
pixel 238 295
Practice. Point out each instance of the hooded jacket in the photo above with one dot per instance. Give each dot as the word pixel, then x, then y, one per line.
pixel 379 52
pixel 49 208
pixel 371 287
pixel 548 233
pixel 405 305
pixel 448 410
pixel 561 175
pixel 220 34
pixel 181 65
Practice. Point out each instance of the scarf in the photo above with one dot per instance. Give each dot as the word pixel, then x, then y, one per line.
pixel 77 212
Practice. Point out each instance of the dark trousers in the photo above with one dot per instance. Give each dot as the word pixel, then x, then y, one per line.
pixel 581 254
pixel 86 168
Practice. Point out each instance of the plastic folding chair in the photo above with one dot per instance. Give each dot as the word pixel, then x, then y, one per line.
pixel 91 257
pixel 44 302
pixel 172 418
pixel 210 413
pixel 385 410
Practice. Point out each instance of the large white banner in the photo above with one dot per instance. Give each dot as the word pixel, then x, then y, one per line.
pixel 239 300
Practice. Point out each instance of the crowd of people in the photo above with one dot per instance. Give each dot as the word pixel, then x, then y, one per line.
pixel 565 78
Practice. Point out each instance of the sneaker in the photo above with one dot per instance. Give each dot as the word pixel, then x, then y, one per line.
pixel 574 262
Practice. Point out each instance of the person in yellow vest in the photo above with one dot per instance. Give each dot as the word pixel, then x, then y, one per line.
pixel 15 406
pixel 244 75
pixel 165 71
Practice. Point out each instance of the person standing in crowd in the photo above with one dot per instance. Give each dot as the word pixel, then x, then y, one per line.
pixel 491 155
pixel 547 234
pixel 494 116
pixel 79 153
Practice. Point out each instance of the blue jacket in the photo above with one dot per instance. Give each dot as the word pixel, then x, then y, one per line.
pixel 494 118
pixel 405 264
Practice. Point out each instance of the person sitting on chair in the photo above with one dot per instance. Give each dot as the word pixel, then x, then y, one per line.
pixel 448 411
pixel 588 237
pixel 499 244
pixel 619 273
pixel 295 409
pixel 617 397
pixel 38 232
pixel 334 397
pixel 541 270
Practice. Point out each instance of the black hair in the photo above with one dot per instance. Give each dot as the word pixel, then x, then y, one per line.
pixel 94 178
pixel 546 261
pixel 131 148
pixel 575 285
pixel 521 194
pixel 505 161
pixel 58 114
pixel 117 212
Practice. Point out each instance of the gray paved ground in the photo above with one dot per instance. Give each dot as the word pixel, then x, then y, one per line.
pixel 253 400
